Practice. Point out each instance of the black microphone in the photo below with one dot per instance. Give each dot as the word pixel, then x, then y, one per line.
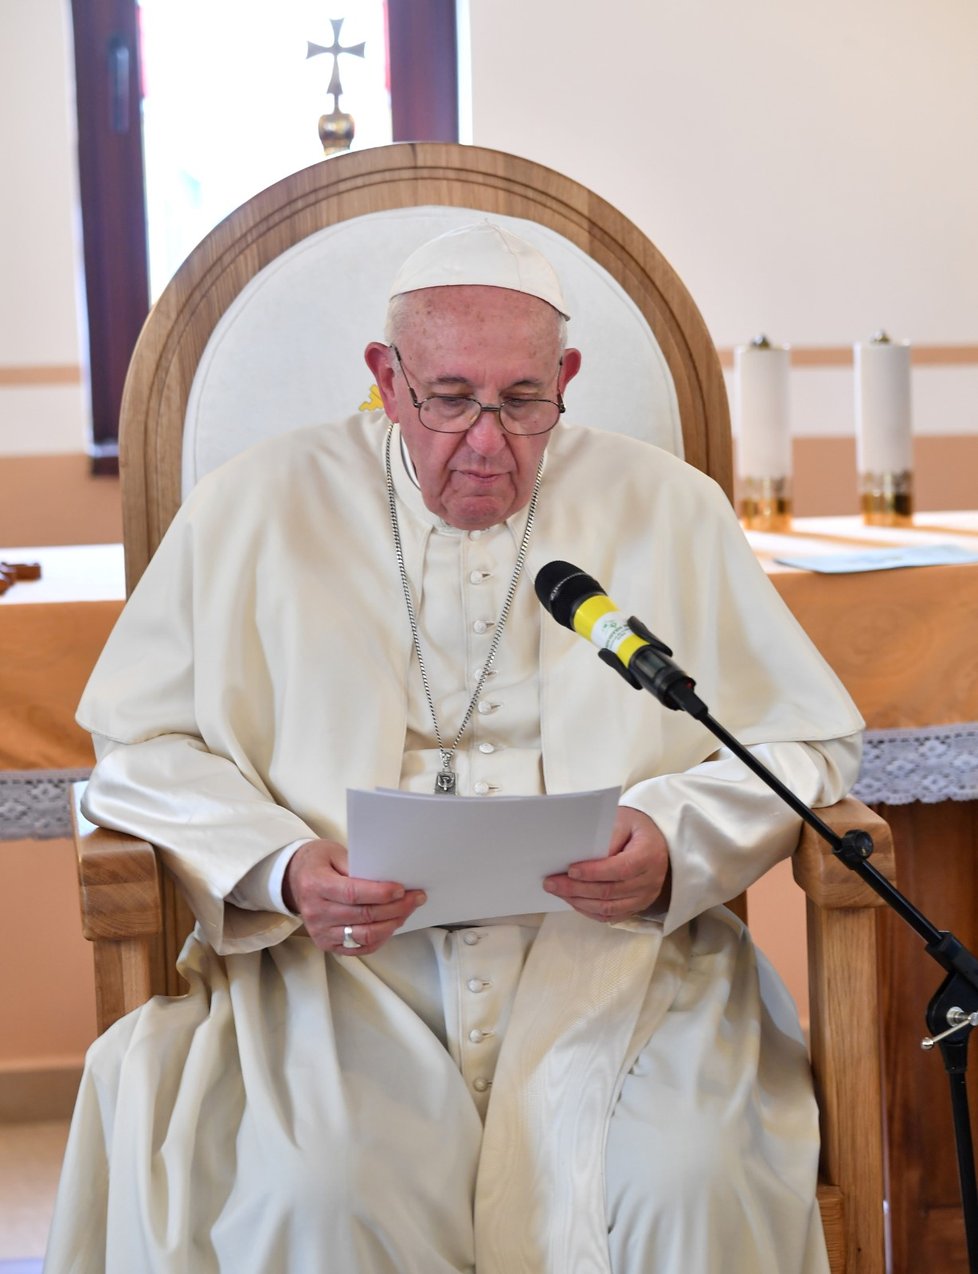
pixel 577 600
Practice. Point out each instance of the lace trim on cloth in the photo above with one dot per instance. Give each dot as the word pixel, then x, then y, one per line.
pixel 926 763
pixel 34 804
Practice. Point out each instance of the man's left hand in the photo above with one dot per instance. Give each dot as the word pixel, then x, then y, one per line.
pixel 633 876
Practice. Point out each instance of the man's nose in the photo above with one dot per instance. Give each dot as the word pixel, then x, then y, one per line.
pixel 487 436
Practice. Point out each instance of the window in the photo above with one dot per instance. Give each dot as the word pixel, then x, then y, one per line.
pixel 189 191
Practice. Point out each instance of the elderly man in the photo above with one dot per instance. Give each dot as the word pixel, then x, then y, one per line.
pixel 617 1085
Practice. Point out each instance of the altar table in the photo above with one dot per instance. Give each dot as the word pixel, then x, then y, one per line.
pixel 51 631
pixel 904 642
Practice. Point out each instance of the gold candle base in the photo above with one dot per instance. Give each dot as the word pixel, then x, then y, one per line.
pixel 765 504
pixel 886 499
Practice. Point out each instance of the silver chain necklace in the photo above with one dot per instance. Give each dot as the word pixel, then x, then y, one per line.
pixel 446 779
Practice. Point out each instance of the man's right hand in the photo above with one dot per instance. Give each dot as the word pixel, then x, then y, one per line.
pixel 317 887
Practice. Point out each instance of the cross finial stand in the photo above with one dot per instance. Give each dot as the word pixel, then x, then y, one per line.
pixel 336 129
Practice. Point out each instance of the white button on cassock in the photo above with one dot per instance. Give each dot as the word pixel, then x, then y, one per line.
pixel 481 626
pixel 476 577
pixel 471 938
pixel 476 985
pixel 486 706
pixel 477 1036
pixel 487 748
pixel 480 1085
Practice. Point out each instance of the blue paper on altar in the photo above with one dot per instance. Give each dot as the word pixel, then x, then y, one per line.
pixel 882 559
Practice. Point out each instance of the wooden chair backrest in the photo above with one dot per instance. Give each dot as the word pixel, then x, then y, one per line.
pixel 200 305
pixel 161 381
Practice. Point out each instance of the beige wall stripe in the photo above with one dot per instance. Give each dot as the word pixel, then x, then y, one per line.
pixel 841 356
pixel 36 375
pixel 801 356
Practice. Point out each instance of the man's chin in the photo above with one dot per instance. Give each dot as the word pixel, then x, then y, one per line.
pixel 478 507
pixel 477 512
pixel 474 519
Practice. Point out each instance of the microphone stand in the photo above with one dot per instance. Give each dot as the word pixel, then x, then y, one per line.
pixel 953 1011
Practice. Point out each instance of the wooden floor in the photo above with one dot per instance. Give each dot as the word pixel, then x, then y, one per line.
pixel 30 1162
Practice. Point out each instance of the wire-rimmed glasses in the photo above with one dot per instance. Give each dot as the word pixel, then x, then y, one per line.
pixel 457 413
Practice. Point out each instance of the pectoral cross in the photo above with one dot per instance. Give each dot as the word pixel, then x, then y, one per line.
pixel 337 128
pixel 445 782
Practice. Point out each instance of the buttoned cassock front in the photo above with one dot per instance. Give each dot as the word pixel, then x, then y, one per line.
pixel 263 666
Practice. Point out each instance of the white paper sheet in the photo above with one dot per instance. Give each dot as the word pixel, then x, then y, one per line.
pixel 475 857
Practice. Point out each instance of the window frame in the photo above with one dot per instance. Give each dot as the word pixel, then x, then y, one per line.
pixel 422 44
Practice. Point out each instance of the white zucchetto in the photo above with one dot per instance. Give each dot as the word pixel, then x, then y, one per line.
pixel 483 254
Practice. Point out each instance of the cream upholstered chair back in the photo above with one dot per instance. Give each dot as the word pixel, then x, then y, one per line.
pixel 289 349
pixel 263 328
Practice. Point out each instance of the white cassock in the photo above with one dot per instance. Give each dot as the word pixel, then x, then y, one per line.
pixel 536 1095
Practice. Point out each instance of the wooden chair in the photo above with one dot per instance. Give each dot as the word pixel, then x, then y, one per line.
pixel 269 249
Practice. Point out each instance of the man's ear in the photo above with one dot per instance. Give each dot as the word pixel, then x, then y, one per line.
pixel 378 358
pixel 570 365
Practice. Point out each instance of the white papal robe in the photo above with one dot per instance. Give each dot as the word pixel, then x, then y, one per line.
pixel 506 1097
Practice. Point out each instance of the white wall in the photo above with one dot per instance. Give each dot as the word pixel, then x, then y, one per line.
pixel 40 342
pixel 809 169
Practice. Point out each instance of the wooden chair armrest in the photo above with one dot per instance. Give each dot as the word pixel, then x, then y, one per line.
pixel 826 880
pixel 845 1036
pixel 122 912
pixel 119 878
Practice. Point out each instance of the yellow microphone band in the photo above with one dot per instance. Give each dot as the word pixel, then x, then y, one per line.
pixel 590 611
pixel 597 621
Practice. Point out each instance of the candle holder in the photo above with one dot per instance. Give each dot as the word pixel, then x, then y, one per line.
pixel 765 504
pixel 884 442
pixel 886 499
pixel 764 435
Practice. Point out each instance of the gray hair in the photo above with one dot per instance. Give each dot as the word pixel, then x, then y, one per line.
pixel 396 317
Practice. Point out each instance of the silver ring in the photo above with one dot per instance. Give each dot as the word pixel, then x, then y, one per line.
pixel 349 942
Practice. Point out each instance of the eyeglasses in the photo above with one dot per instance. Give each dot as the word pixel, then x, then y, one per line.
pixel 455 413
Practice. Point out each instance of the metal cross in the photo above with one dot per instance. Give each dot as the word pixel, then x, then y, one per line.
pixel 335 49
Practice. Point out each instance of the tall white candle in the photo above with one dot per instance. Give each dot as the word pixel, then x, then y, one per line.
pixel 763 417
pixel 884 442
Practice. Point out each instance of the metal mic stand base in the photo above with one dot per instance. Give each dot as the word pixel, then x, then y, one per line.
pixel 951 1016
